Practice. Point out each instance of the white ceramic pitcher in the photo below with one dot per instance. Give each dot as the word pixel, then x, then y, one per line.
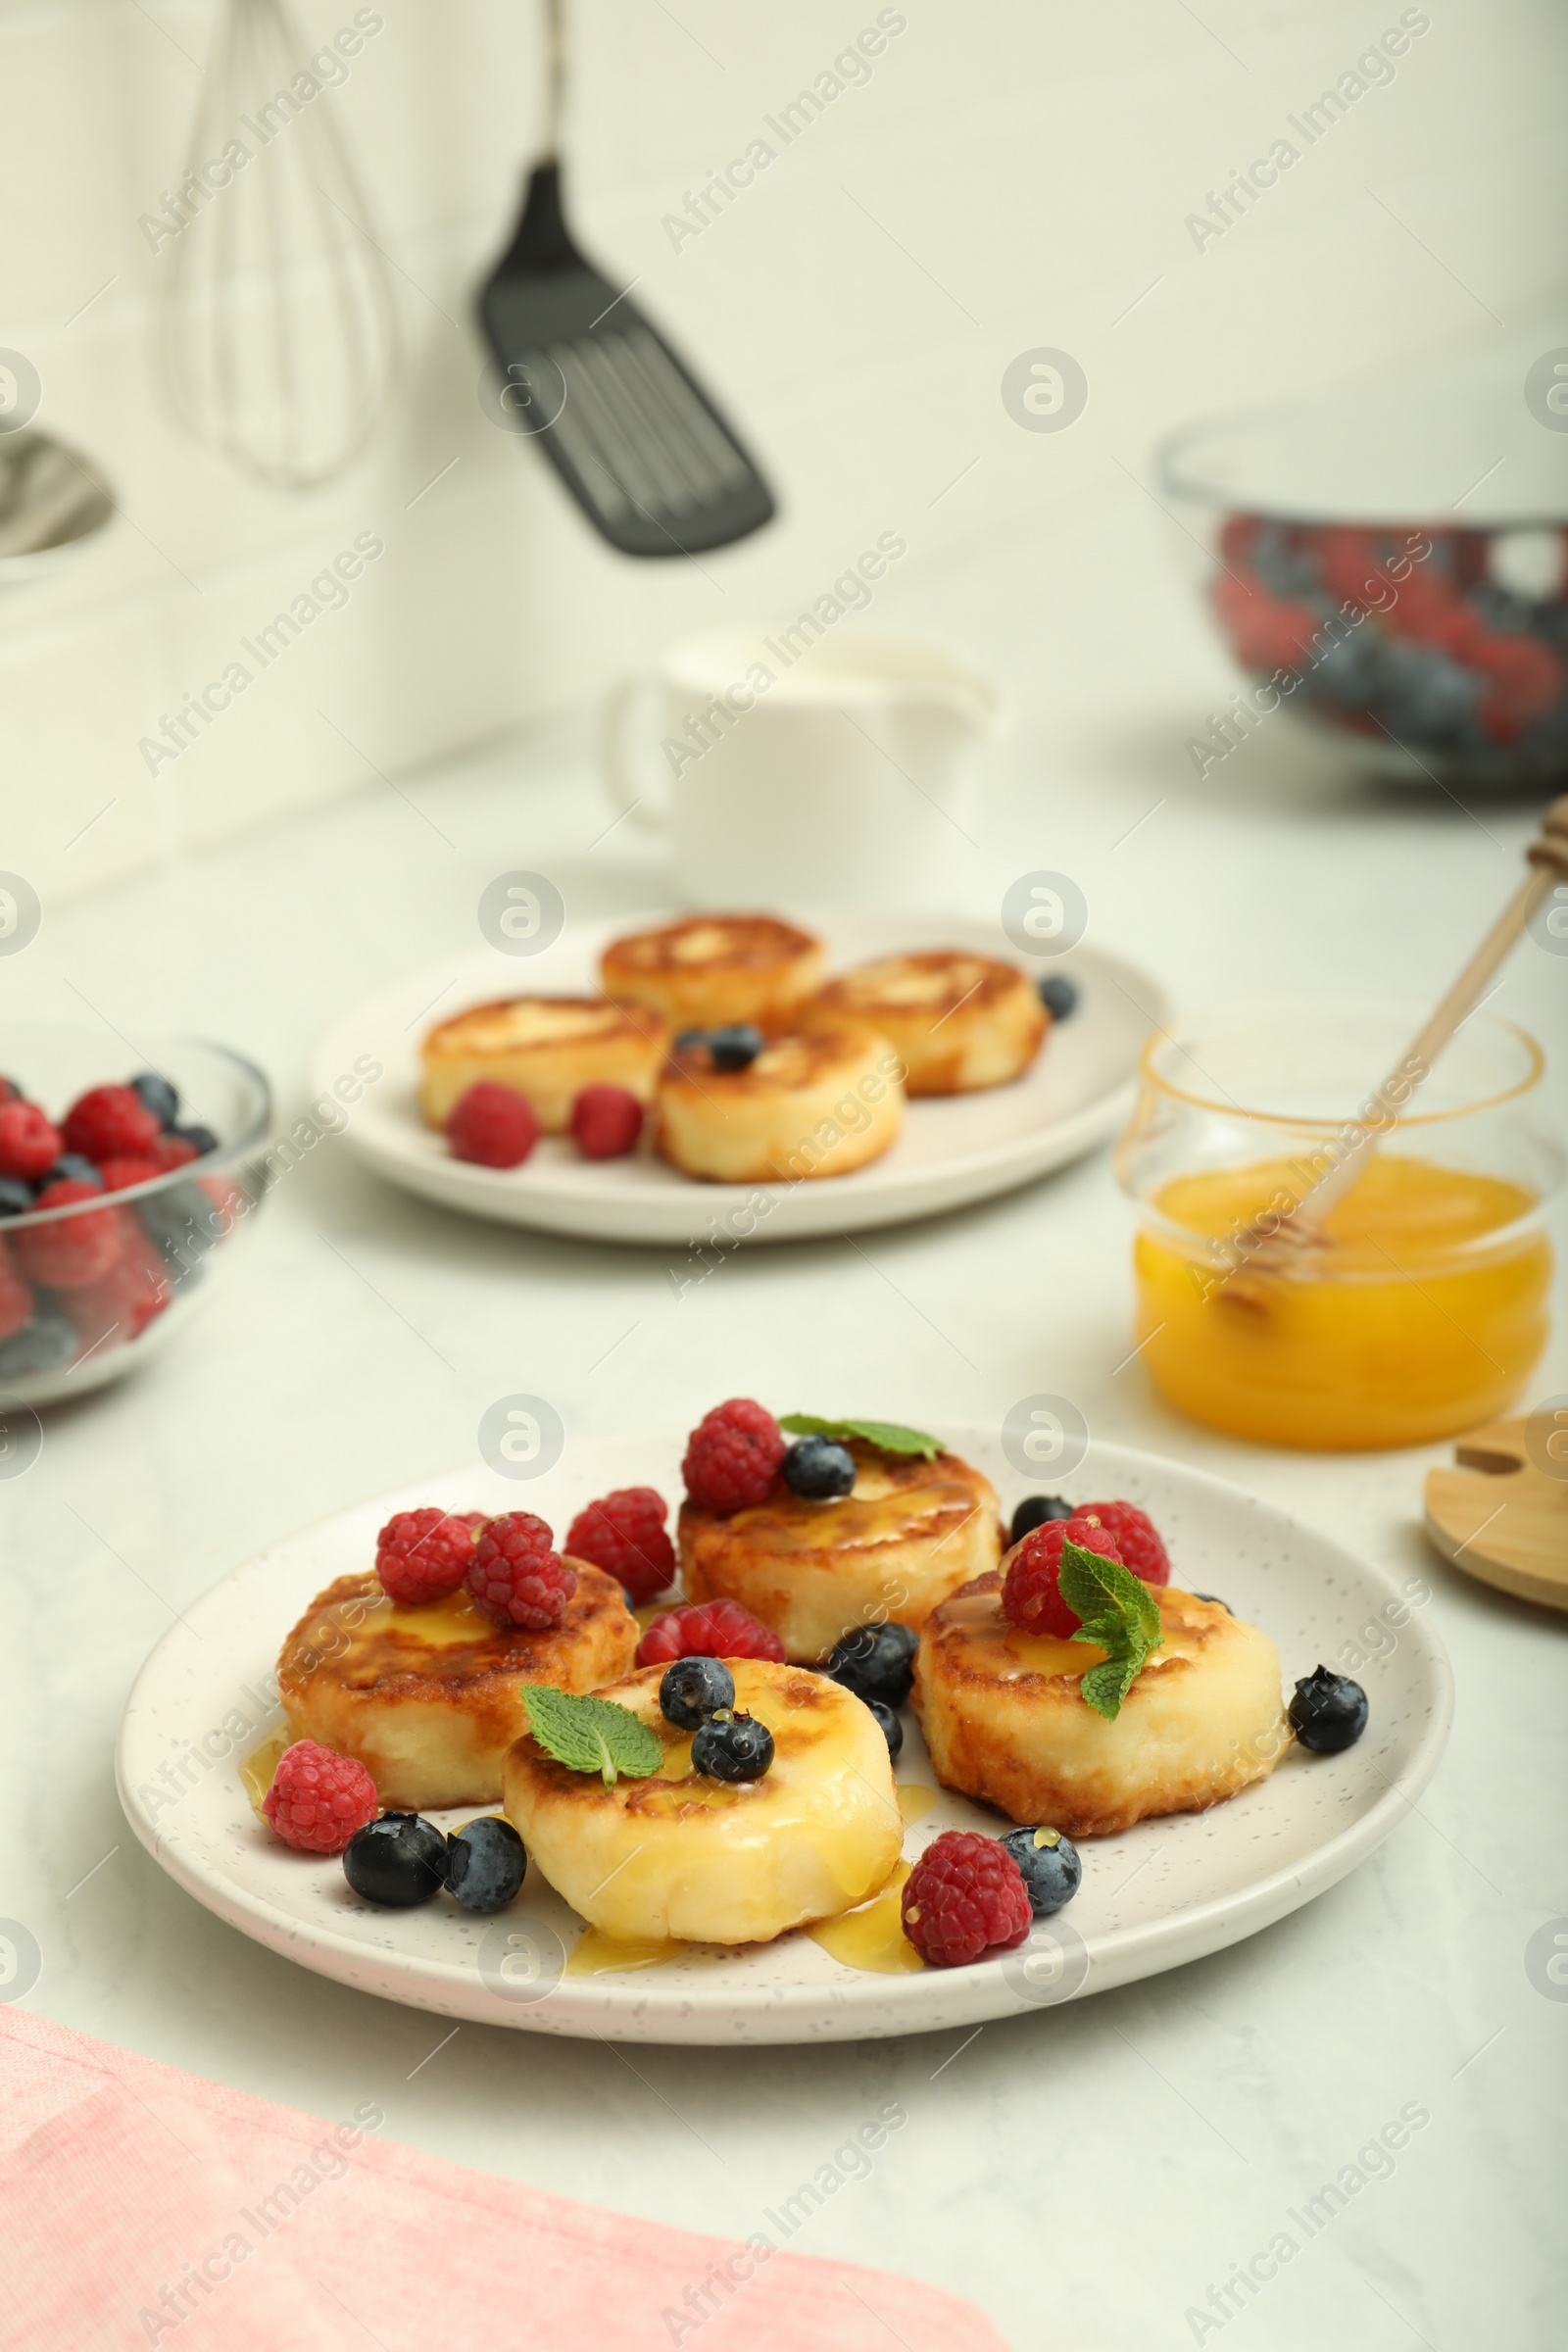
pixel 828 771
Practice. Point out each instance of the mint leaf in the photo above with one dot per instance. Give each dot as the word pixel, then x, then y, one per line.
pixel 1092 1587
pixel 1120 1616
pixel 1106 1684
pixel 890 1437
pixel 592 1735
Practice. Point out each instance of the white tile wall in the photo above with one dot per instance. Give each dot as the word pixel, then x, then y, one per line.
pixel 1006 177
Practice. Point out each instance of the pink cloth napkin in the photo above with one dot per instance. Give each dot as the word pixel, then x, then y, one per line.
pixel 139 2205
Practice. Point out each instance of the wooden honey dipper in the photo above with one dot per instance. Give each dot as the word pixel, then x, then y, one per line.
pixel 1264 1249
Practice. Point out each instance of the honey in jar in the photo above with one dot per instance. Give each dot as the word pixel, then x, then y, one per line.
pixel 1418 1306
pixel 1423 1314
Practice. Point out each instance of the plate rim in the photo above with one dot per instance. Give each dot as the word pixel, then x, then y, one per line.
pixel 866 1197
pixel 598 2008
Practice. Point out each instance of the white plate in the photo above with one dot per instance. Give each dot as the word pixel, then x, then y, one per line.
pixel 963 1149
pixel 1164 1892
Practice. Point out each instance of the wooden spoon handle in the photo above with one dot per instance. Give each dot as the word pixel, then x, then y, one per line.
pixel 1548 862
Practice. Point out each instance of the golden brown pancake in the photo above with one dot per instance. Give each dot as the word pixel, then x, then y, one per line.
pixel 815 1102
pixel 546 1048
pixel 430 1698
pixel 708 1861
pixel 710 969
pixel 1005 1719
pixel 910 1534
pixel 959 1021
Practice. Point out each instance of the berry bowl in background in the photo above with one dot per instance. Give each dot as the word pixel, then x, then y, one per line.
pixel 1391 571
pixel 109 1248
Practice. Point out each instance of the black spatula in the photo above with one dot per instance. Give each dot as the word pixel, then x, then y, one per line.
pixel 643 450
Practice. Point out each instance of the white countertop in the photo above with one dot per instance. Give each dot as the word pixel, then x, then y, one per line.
pixel 1084 2174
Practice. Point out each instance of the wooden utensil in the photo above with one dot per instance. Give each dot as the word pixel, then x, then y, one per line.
pixel 1278 1248
pixel 1502 1518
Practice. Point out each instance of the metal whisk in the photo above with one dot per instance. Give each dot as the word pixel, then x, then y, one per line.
pixel 277 330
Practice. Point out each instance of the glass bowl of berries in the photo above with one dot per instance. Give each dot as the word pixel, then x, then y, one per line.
pixel 1391 571
pixel 118 1196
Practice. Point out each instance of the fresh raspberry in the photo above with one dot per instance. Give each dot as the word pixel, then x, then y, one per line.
pixel 118 1175
pixel 709 1629
pixel 515 1579
pixel 732 1456
pixel 29 1143
pixel 493 1125
pixel 423 1556
pixel 231 1203
pixel 77 1251
pixel 319 1798
pixel 606 1122
pixel 143 1284
pixel 15 1300
pixel 126 1300
pixel 1427 596
pixel 1238 537
pixel 1525 680
pixel 1135 1537
pixel 174 1152
pixel 1031 1597
pixel 110 1123
pixel 1266 632
pixel 965 1897
pixel 624 1534
pixel 1346 562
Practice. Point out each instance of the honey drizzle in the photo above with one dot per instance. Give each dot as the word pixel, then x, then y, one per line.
pixel 872 1937
pixel 596 1954
pixel 256 1769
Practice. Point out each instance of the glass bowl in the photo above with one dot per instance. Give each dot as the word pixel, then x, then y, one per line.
pixel 1389 569
pixel 152 1248
pixel 1427 1310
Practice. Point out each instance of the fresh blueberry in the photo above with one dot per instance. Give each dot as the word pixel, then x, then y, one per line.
pixel 71 1168
pixel 693 1689
pixel 819 1470
pixel 1051 1864
pixel 1289 571
pixel 155 1094
pixel 1503 608
pixel 1426 697
pixel 732 1748
pixel 44 1345
pixel 201 1138
pixel 875 1661
pixel 15 1197
pixel 736 1046
pixel 1218 1603
pixel 1057 993
pixel 688 1037
pixel 891 1729
pixel 1349 671
pixel 485 1863
pixel 1034 1511
pixel 184 1224
pixel 397 1860
pixel 1328 1712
